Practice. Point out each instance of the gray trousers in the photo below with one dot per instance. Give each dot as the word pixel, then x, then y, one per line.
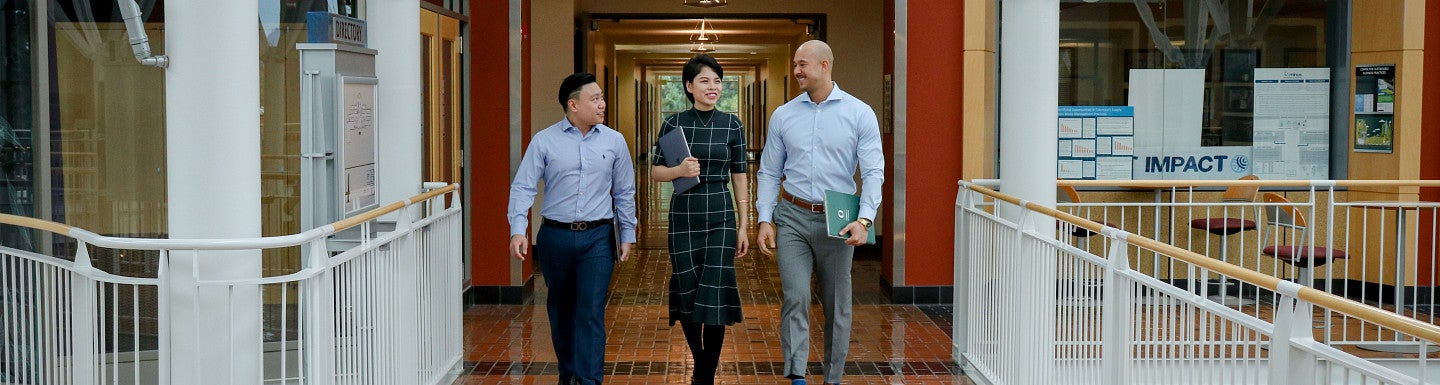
pixel 805 250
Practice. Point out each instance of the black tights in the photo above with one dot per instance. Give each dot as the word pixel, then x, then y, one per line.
pixel 705 341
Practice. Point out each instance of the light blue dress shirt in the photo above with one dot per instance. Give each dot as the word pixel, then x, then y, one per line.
pixel 817 147
pixel 587 178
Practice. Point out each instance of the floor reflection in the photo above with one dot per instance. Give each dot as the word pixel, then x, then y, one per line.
pixel 890 344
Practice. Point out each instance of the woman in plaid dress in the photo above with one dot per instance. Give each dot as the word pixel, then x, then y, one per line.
pixel 705 237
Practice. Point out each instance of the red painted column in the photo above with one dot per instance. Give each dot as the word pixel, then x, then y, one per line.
pixel 489 132
pixel 1430 118
pixel 933 138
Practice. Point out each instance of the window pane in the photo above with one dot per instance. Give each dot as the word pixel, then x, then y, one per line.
pixel 17 123
pixel 108 135
pixel 1102 44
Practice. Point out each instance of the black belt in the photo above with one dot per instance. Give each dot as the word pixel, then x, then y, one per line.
pixel 575 226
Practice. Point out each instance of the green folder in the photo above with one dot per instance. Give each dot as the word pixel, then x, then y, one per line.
pixel 840 210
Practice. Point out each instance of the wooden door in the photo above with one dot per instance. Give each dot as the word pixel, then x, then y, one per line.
pixel 440 72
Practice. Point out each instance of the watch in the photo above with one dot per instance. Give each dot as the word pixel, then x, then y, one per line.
pixel 865 222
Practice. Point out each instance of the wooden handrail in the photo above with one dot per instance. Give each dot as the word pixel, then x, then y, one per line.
pixel 263 242
pixel 392 207
pixel 1365 312
pixel 54 227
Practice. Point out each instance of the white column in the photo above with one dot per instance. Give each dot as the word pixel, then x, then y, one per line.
pixel 517 115
pixel 212 118
pixel 1029 92
pixel 394 30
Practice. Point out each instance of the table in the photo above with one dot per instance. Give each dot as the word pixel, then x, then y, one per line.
pixel 1402 210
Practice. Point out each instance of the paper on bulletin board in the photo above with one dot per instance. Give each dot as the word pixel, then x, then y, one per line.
pixel 1375 97
pixel 357 111
pixel 1292 113
pixel 1093 140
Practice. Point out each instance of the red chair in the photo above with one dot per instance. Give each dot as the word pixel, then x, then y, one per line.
pixel 1225 226
pixel 1305 256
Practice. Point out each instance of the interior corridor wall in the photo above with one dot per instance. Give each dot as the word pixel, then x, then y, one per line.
pixel 552 39
pixel 853 31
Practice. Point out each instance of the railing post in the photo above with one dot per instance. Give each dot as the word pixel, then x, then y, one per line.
pixel 405 327
pixel 455 302
pixel 320 315
pixel 958 324
pixel 1115 318
pixel 1289 364
pixel 82 318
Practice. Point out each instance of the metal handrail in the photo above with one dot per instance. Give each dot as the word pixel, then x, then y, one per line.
pixel 221 243
pixel 1359 310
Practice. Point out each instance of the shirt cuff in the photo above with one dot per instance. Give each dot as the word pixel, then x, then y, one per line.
pixel 522 228
pixel 867 213
pixel 765 214
pixel 627 236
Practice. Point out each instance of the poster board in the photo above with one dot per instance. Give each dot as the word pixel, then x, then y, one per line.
pixel 1291 123
pixel 358 148
pixel 1095 142
pixel 1375 96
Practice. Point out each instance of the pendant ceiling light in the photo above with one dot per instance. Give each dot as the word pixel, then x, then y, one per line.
pixel 706 3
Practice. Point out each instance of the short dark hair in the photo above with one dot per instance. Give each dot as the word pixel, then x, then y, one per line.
pixel 571 85
pixel 693 67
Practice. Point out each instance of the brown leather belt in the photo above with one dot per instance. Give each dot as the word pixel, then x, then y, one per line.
pixel 818 208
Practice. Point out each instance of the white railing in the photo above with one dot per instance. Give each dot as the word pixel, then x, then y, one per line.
pixel 1116 324
pixel 1385 241
pixel 381 309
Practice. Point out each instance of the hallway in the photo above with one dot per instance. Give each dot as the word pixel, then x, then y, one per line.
pixel 890 344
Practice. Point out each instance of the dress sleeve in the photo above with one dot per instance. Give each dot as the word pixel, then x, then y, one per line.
pixel 737 147
pixel 657 154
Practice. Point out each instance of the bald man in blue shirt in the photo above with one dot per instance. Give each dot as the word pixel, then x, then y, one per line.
pixel 589 189
pixel 816 142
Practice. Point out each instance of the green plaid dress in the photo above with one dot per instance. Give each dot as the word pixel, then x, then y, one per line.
pixel 702 221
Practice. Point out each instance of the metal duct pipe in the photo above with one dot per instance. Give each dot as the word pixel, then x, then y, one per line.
pixel 139 42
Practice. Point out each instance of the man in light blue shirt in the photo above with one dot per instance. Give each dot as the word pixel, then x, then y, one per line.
pixel 589 187
pixel 816 143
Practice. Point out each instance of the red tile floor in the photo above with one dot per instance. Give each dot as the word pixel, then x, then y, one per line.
pixel 890 344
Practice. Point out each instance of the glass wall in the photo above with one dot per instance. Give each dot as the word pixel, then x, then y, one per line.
pixel 103 130
pixel 107 128
pixel 1248 79
pixel 17 123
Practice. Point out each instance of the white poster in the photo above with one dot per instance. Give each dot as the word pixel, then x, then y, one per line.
pixel 1113 167
pixel 1292 123
pixel 1069 169
pixel 1070 127
pixel 1169 106
pixel 357 110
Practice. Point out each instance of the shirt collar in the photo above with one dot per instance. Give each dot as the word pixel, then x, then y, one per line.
pixel 566 126
pixel 835 94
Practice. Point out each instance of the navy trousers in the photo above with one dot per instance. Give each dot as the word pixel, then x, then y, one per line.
pixel 577 266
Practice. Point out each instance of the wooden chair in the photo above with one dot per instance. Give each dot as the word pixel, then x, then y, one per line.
pixel 1225 226
pixel 1306 255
